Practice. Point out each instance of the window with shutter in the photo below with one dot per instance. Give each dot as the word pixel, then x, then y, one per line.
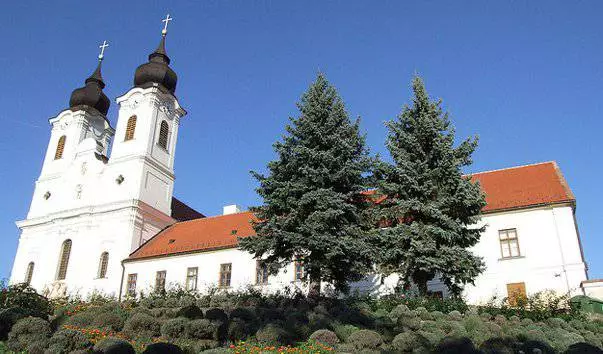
pixel 58 154
pixel 164 131
pixel 516 293
pixel 299 270
pixel 64 260
pixel 160 281
pixel 191 278
pixel 130 128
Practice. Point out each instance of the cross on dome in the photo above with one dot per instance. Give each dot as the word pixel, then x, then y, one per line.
pixel 167 21
pixel 102 48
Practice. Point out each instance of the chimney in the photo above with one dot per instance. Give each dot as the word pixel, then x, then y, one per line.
pixel 231 209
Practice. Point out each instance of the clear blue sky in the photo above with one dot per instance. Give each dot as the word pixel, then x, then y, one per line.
pixel 526 76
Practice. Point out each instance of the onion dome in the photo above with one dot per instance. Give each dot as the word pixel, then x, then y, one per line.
pixel 91 95
pixel 157 70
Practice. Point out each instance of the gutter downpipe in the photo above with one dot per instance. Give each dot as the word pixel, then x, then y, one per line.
pixel 121 283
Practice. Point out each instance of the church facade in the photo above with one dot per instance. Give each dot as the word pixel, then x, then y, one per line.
pixel 109 223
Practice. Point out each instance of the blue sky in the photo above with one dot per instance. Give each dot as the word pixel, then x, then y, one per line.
pixel 525 76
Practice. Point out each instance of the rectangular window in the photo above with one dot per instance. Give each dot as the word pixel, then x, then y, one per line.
pixel 509 245
pixel 160 281
pixel 299 270
pixel 516 293
pixel 131 291
pixel 261 273
pixel 225 273
pixel 191 279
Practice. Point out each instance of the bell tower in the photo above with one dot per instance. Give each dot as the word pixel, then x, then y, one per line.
pixel 147 130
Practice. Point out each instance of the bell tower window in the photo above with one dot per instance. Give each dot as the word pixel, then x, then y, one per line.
pixel 163 135
pixel 58 154
pixel 64 260
pixel 130 128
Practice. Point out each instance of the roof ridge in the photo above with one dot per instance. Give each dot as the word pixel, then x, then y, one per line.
pixel 214 217
pixel 513 167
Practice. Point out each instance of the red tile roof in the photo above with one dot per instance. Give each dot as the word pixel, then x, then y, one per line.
pixel 524 186
pixel 203 234
pixel 506 189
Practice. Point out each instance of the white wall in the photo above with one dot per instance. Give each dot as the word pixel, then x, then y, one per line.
pixel 550 259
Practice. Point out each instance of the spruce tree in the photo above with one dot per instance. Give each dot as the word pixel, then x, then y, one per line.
pixel 430 207
pixel 312 195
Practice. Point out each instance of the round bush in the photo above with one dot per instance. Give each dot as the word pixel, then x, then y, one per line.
pixel 407 342
pixel 499 345
pixel 398 311
pixel 365 339
pixel 202 329
pixel 191 312
pixel 455 315
pixel 162 348
pixel 81 319
pixel 142 324
pixel 8 317
pixel 216 314
pixel 325 336
pixel 27 330
pixel 67 340
pixel 344 331
pixel 272 334
pixel 238 330
pixel 174 328
pixel 112 321
pixel 112 345
pixel 456 345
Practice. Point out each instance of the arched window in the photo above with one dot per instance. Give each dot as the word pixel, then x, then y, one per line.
pixel 102 265
pixel 163 135
pixel 29 273
pixel 64 259
pixel 130 128
pixel 58 154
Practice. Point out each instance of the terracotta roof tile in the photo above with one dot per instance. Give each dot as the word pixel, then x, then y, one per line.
pixel 203 234
pixel 524 186
pixel 506 189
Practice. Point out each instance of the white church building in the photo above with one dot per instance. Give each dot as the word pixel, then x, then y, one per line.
pixel 101 222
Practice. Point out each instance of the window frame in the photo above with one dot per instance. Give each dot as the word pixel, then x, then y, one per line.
pixel 130 128
pixel 298 270
pixel 160 277
pixel 103 265
pixel 225 276
pixel 60 149
pixel 164 135
pixel 131 284
pixel 508 241
pixel 29 272
pixel 261 273
pixel 191 278
pixel 64 256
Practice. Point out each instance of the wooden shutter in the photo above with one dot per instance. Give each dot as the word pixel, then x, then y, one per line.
pixel 516 293
pixel 130 128
pixel 58 154
pixel 163 135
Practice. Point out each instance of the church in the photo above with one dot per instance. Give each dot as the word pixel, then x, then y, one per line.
pixel 107 222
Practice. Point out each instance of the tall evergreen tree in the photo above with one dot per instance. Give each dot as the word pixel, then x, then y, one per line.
pixel 431 208
pixel 312 195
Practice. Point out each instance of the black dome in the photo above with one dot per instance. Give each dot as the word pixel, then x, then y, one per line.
pixel 157 70
pixel 92 94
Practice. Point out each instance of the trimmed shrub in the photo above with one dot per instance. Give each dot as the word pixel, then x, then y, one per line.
pixel 407 342
pixel 67 340
pixel 25 297
pixel 26 331
pixel 81 319
pixel 498 345
pixel 238 329
pixel 582 348
pixel 174 328
pixel 8 317
pixel 272 334
pixel 142 325
pixel 191 312
pixel 343 331
pixel 365 339
pixel 216 314
pixel 400 310
pixel 455 315
pixel 325 336
pixel 113 321
pixel 162 348
pixel 532 346
pixel 112 345
pixel 202 329
pixel 454 345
